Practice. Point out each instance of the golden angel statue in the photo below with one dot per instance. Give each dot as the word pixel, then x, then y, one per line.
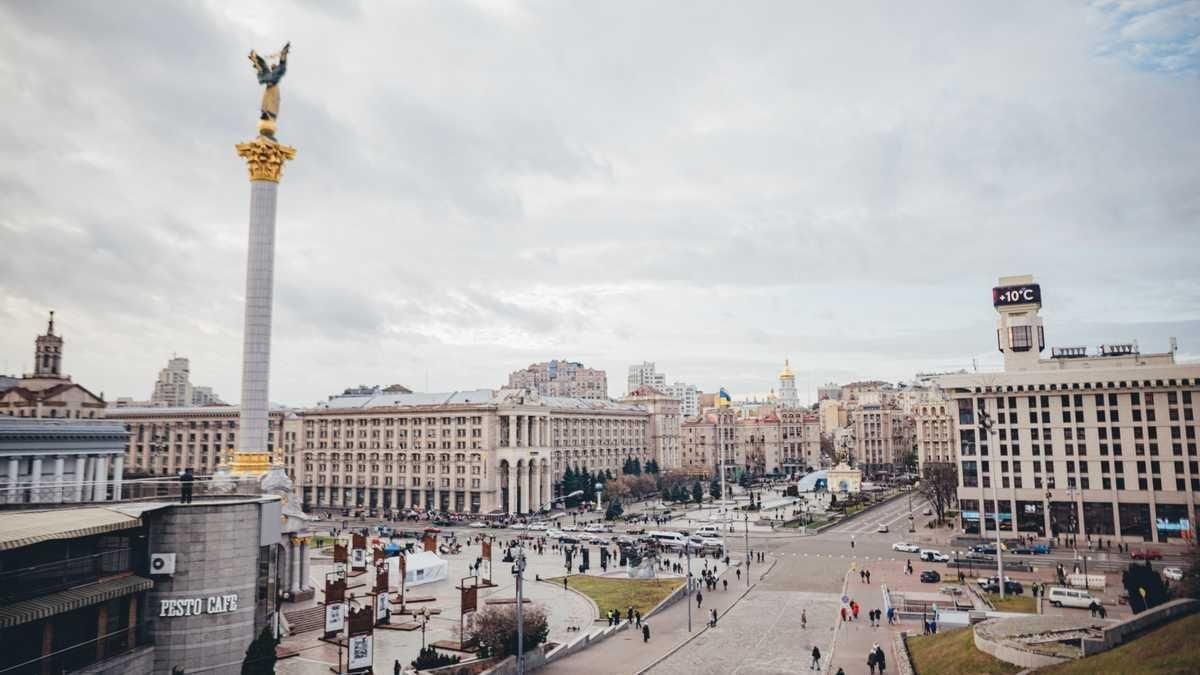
pixel 270 76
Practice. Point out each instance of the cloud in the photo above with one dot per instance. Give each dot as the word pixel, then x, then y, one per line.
pixel 482 185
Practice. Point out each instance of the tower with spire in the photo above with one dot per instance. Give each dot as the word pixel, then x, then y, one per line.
pixel 788 398
pixel 47 355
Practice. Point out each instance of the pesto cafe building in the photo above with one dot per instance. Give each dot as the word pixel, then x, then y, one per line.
pixel 140 586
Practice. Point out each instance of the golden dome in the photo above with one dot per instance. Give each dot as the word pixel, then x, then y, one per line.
pixel 786 373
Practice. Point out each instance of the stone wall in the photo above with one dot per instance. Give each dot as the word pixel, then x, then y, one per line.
pixel 1147 620
pixel 217 548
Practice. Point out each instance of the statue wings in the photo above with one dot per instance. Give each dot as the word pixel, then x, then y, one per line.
pixel 260 64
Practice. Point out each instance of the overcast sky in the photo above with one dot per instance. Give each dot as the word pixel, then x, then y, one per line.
pixel 712 186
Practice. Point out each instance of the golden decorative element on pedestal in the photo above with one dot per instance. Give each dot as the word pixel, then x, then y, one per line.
pixel 250 463
pixel 265 158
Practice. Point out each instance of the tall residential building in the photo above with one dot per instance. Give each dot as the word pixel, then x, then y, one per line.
pixel 174 387
pixel 643 373
pixel 561 378
pixel 664 424
pixel 788 397
pixel 687 395
pixel 933 422
pixel 1102 444
pixel 46 392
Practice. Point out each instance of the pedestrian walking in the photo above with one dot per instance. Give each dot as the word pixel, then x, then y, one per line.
pixel 862 576
pixel 880 659
pixel 713 622
pixel 699 599
pixel 645 633
pixel 564 583
pixel 854 609
pixel 803 619
pixel 185 486
pixel 868 573
pixel 396 667
pixel 816 659
pixel 726 582
pixel 843 614
pixel 637 617
pixel 739 573
pixel 871 661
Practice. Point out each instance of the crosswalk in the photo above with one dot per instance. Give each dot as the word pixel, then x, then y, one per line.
pixel 843 556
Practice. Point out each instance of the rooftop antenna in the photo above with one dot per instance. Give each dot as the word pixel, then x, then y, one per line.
pixel 974 364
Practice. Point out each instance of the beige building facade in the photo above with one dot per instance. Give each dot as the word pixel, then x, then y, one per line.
pixel 561 378
pixel 882 435
pixel 478 451
pixel 166 440
pixel 1100 444
pixel 787 440
pixel 47 392
pixel 666 420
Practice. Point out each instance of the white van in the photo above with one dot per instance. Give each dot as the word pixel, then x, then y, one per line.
pixel 1070 597
pixel 668 539
pixel 708 531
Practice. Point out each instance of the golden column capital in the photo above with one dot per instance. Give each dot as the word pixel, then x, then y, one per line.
pixel 265 158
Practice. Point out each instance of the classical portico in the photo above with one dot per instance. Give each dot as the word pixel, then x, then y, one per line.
pixel 49 461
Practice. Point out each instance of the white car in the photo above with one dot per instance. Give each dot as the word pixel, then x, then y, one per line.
pixel 539 527
pixel 907 548
pixel 554 534
pixel 478 523
pixel 570 528
pixel 594 527
pixel 1173 573
pixel 931 555
pixel 882 527
pixel 518 526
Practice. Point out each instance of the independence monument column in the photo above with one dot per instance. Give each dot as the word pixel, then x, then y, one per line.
pixel 264 157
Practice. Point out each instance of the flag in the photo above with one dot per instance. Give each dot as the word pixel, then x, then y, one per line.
pixel 723 398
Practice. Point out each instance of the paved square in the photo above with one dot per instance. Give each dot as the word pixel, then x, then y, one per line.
pixel 761 635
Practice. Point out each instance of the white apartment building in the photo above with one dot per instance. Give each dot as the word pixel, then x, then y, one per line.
pixel 479 451
pixel 1100 444
pixel 687 395
pixel 644 374
pixel 174 387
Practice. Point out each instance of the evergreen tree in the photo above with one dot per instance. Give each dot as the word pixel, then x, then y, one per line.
pixel 260 655
pixel 614 509
pixel 635 466
pixel 607 476
pixel 714 488
pixel 652 467
pixel 625 467
pixel 666 494
pixel 697 493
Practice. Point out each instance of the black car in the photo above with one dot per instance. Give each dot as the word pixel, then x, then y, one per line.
pixel 930 576
pixel 1011 587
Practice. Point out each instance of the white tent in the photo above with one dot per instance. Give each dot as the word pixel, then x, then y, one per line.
pixel 423 567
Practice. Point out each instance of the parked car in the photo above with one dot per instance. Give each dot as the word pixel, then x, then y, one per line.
pixel 1173 573
pixel 1071 597
pixel 1040 549
pixel 907 548
pixel 539 527
pixel 478 523
pixel 882 527
pixel 554 534
pixel 931 555
pixel 568 539
pixel 518 526
pixel 569 528
pixel 594 527
pixel 1145 554
pixel 992 585
pixel 986 549
pixel 930 577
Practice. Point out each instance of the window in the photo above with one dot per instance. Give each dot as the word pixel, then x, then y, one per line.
pixel 1022 338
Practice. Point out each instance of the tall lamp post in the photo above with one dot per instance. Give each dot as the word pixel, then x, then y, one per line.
pixel 985 422
pixel 747 521
pixel 518 569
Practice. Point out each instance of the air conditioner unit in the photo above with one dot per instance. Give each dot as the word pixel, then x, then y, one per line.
pixel 162 563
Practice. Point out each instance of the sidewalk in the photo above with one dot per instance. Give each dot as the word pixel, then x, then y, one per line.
pixel 856 638
pixel 625 652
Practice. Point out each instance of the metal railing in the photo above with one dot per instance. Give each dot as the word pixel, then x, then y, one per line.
pixel 82 654
pixel 33 581
pixel 168 488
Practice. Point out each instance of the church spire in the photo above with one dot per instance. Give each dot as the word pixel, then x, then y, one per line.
pixel 50 325
pixel 47 356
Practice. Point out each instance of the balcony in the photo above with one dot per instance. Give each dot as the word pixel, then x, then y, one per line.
pixel 38 580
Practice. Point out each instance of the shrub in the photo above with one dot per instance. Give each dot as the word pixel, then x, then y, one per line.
pixel 495 629
pixel 430 658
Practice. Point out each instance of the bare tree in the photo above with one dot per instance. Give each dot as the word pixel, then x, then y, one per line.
pixel 939 484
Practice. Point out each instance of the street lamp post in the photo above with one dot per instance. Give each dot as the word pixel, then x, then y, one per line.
pixel 424 622
pixel 747 521
pixel 518 569
pixel 985 421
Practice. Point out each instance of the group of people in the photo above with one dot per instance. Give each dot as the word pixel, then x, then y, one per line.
pixel 876 659
pixel 864 576
pixel 631 614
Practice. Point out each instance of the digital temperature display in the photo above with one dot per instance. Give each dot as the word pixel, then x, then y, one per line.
pixel 1025 294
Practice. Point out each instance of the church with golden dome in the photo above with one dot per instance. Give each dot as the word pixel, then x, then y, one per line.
pixel 788 397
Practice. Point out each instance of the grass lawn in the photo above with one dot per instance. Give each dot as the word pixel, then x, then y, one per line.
pixel 953 653
pixel 609 593
pixel 1013 603
pixel 1165 650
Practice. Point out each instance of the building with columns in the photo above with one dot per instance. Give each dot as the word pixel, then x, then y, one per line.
pixel 479 451
pixel 1101 444
pixel 163 441
pixel 784 440
pixel 49 461
pixel 46 392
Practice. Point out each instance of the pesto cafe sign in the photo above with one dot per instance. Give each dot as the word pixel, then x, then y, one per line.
pixel 215 604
